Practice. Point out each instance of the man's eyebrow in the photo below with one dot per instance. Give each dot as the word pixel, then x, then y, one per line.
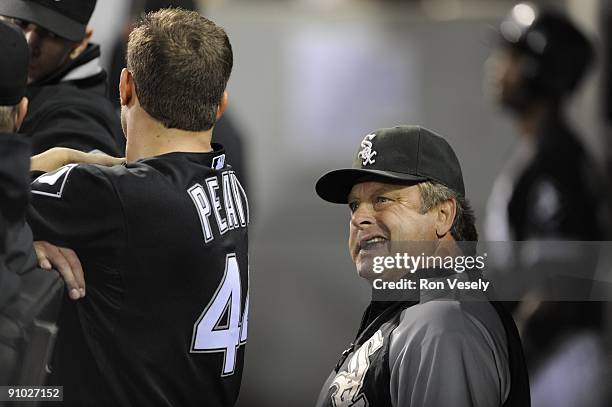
pixel 383 189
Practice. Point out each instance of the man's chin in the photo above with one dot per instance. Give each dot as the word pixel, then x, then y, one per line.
pixel 365 267
pixel 33 76
pixel 36 74
pixel 370 275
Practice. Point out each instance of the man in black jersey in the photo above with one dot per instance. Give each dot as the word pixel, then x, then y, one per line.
pixel 427 348
pixel 550 189
pixel 67 87
pixel 162 238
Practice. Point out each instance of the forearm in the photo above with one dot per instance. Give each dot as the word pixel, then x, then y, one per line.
pixel 51 159
pixel 57 157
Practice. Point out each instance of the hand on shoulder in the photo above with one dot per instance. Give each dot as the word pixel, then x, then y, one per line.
pixel 57 157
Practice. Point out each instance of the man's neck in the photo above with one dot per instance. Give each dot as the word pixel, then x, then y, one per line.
pixel 447 246
pixel 149 138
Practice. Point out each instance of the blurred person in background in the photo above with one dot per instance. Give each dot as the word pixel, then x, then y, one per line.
pixel 432 350
pixel 227 131
pixel 550 189
pixel 67 88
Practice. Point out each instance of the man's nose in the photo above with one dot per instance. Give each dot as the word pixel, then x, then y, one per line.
pixel 363 216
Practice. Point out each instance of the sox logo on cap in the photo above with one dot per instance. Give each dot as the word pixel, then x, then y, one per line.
pixel 367 153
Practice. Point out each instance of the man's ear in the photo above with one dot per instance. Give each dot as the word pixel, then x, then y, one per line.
pixel 445 217
pixel 81 46
pixel 222 105
pixel 126 87
pixel 22 111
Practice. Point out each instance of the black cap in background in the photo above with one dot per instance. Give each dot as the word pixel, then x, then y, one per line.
pixel 559 53
pixel 66 18
pixel 14 60
pixel 401 154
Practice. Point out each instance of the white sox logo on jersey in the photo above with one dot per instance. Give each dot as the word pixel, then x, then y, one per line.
pixel 348 384
pixel 367 153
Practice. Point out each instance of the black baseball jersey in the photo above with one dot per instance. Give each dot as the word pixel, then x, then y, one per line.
pixel 71 109
pixel 163 243
pixel 14 163
pixel 551 190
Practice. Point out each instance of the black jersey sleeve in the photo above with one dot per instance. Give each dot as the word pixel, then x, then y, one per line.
pixel 14 164
pixel 76 206
pixel 78 127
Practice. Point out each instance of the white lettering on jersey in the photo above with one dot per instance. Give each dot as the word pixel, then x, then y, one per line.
pixel 52 183
pixel 348 383
pixel 213 186
pixel 203 207
pixel 238 192
pixel 228 198
pixel 235 204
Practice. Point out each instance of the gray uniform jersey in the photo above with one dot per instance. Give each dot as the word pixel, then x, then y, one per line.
pixel 445 353
pixel 427 354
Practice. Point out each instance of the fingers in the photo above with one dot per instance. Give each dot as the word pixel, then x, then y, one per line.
pixel 101 159
pixel 113 161
pixel 66 262
pixel 41 255
pixel 74 265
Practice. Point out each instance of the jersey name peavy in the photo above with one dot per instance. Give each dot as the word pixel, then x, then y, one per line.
pixel 230 214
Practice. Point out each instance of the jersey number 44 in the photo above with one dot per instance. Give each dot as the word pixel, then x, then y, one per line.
pixel 210 334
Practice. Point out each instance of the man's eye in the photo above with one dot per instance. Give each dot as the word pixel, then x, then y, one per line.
pixel 381 199
pixel 353 206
